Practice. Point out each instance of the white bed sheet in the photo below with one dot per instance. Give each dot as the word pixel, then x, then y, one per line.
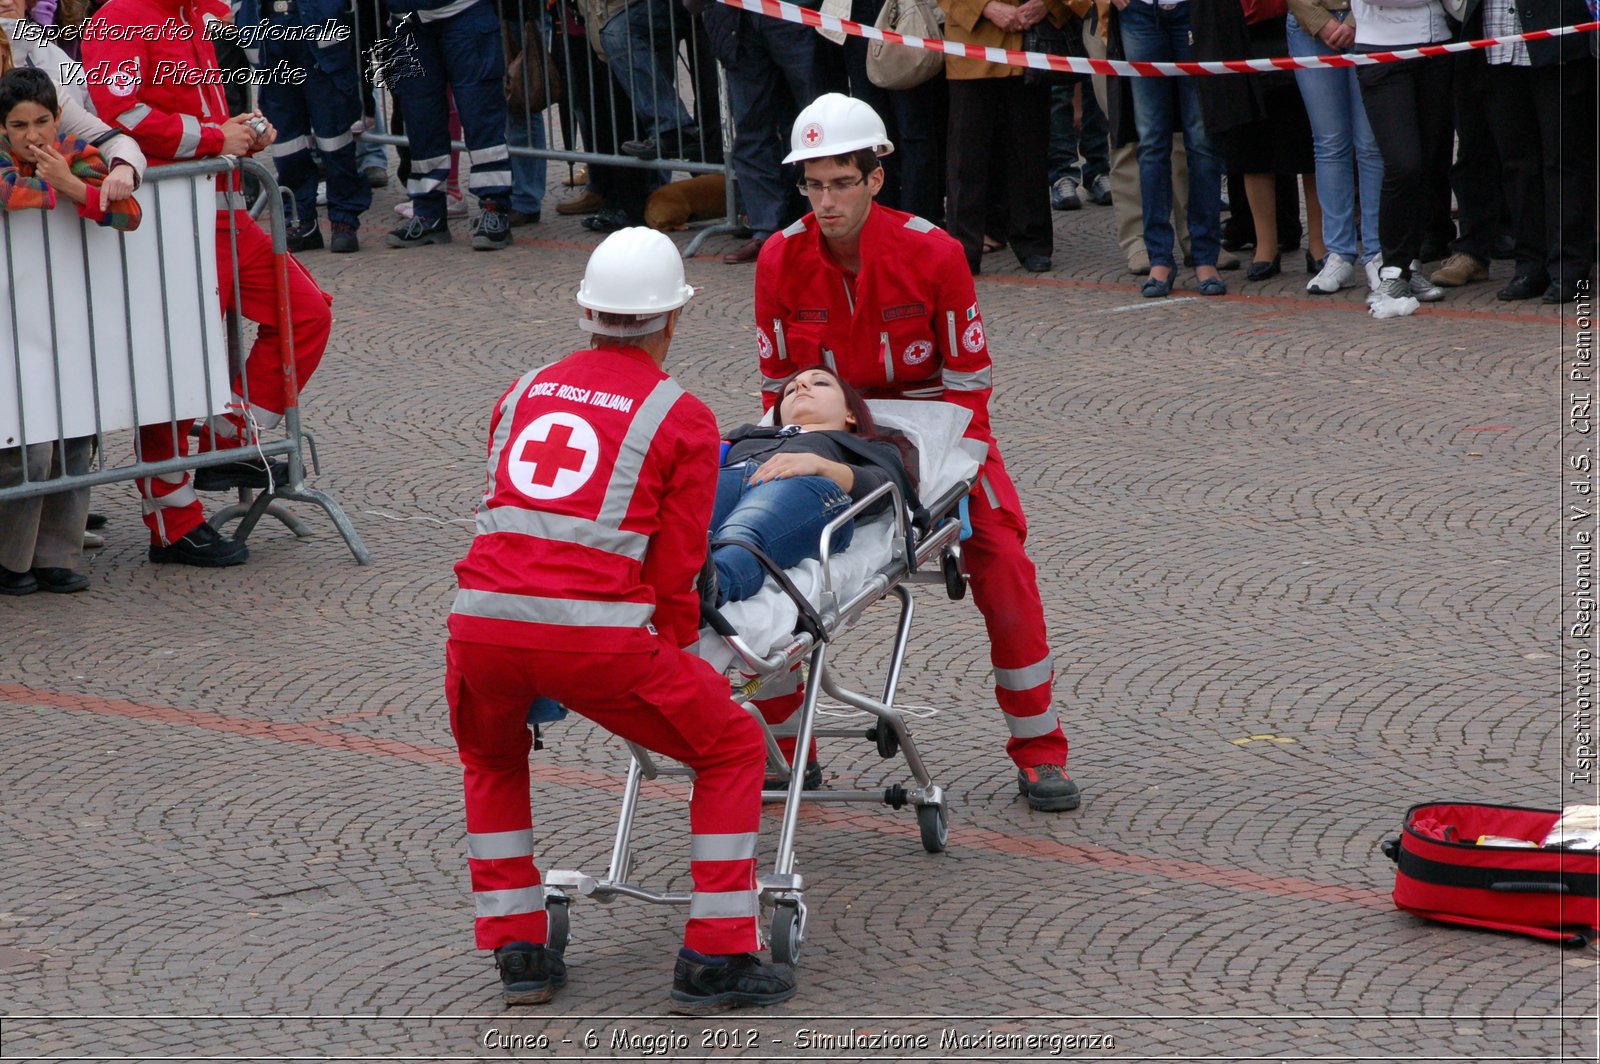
pixel 945 459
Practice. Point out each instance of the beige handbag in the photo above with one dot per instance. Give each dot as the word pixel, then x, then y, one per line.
pixel 894 66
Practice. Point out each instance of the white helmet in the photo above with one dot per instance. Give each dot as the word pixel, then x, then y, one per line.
pixel 836 124
pixel 633 271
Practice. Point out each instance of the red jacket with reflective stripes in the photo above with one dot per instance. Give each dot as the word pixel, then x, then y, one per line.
pixel 906 327
pixel 602 474
pixel 152 72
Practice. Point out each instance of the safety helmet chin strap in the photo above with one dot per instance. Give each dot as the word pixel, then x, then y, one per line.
pixel 643 327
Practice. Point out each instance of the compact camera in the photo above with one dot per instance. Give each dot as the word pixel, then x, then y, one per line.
pixel 257 124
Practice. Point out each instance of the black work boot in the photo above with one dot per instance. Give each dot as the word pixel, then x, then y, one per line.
pixel 1048 788
pixel 203 546
pixel 417 231
pixel 529 974
pixel 702 985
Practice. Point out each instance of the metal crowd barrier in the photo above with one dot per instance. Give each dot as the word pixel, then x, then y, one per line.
pixel 107 332
pixel 602 102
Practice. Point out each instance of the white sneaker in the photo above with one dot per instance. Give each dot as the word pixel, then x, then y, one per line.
pixel 1064 195
pixel 455 206
pixel 1334 275
pixel 1391 285
pixel 1423 289
pixel 1373 265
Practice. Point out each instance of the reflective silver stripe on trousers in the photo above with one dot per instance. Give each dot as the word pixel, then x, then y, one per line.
pixel 535 609
pixel 189 140
pixel 975 381
pixel 977 450
pixel 1032 727
pixel 488 155
pixel 731 905
pixel 502 429
pixel 334 143
pixel 489 178
pixel 562 528
pixel 184 496
pixel 134 115
pixel 1026 678
pixel 421 186
pixel 631 454
pixel 735 847
pixel 438 162
pixel 285 148
pixel 512 902
pixel 499 845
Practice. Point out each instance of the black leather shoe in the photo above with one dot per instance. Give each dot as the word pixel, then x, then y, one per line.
pixel 1523 287
pixel 204 547
pixel 17 583
pixel 95 521
pixel 702 985
pixel 749 251
pixel 1036 263
pixel 1261 271
pixel 607 220
pixel 1561 293
pixel 307 239
pixel 811 782
pixel 59 580
pixel 247 473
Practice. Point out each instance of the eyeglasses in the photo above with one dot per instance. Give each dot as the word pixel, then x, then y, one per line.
pixel 838 188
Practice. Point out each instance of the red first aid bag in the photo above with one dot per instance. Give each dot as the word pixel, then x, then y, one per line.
pixel 1444 875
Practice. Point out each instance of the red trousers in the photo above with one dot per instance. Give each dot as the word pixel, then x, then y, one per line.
pixel 647 691
pixel 171 509
pixel 1005 589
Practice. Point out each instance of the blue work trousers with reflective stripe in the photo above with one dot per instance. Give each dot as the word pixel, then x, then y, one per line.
pixel 316 114
pixel 463 53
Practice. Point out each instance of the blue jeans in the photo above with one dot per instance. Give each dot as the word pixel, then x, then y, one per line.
pixel 1066 139
pixel 527 131
pixel 1344 144
pixel 641 49
pixel 782 519
pixel 771 82
pixel 1151 33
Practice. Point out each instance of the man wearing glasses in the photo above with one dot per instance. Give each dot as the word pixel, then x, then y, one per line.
pixel 886 300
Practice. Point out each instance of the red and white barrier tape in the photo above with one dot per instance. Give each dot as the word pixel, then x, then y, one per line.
pixel 1125 68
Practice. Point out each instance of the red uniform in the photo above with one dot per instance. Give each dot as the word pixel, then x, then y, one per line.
pixel 908 327
pixel 580 586
pixel 146 64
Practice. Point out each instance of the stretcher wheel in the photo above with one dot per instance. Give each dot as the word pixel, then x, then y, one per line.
pixel 786 931
pixel 559 928
pixel 935 827
pixel 955 585
pixel 888 742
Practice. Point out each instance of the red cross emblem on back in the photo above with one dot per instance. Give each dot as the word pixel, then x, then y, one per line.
pixel 553 456
pixel 812 135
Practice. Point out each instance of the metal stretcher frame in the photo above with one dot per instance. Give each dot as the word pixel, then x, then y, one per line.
pixel 932 557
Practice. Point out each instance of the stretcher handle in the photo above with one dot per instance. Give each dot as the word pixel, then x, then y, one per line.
pixel 856 509
pixel 943 505
pixel 1529 888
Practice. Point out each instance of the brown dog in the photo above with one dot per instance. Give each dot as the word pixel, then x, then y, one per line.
pixel 695 200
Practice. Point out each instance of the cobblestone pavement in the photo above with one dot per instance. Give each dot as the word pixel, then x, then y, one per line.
pixel 232 810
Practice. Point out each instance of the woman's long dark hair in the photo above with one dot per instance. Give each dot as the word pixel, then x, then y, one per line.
pixel 865 426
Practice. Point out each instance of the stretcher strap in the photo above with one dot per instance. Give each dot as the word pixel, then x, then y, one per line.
pixel 809 620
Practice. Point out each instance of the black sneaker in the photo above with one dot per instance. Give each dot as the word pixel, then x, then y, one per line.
pixel 307 239
pixel 681 143
pixel 416 231
pixel 1048 789
pixel 812 780
pixel 345 239
pixel 246 473
pixel 700 986
pixel 607 220
pixel 204 547
pixel 529 974
pixel 59 580
pixel 492 230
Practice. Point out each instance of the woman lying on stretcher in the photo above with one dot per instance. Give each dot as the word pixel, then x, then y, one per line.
pixel 779 487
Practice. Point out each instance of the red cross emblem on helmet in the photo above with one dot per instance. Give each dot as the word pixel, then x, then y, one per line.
pixel 812 135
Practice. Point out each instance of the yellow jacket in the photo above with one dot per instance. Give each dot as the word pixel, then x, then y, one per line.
pixel 964 22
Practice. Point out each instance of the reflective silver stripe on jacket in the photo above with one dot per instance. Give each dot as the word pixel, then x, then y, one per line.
pixel 134 115
pixel 888 357
pixel 502 428
pixel 537 609
pixel 936 392
pixel 1026 678
pixel 232 201
pixel 777 338
pixel 920 225
pixel 730 905
pixel 1032 727
pixel 976 381
pixel 635 446
pixel 950 325
pixel 562 528
pixel 795 228
pixel 512 902
pixel 499 845
pixel 735 847
pixel 189 139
